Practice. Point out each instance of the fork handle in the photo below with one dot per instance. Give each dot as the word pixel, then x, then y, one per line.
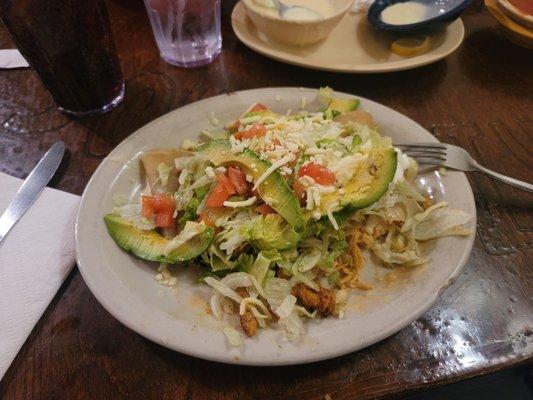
pixel 505 179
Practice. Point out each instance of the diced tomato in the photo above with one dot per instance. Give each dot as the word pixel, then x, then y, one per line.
pixel 161 207
pixel 206 218
pixel 164 220
pixel 218 196
pixel 299 190
pixel 258 107
pixel 319 173
pixel 265 209
pixel 158 204
pixel 256 130
pixel 238 180
pixel 224 180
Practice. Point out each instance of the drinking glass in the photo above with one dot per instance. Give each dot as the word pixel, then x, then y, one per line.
pixel 69 44
pixel 187 32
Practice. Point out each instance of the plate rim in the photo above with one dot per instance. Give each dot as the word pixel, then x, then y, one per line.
pixel 355 70
pixel 227 358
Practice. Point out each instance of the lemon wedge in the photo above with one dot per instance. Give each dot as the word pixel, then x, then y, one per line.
pixel 411 46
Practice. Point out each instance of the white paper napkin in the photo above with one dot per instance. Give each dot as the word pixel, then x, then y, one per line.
pixel 11 58
pixel 35 257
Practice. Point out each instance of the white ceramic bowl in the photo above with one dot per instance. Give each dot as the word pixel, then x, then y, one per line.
pixel 297 33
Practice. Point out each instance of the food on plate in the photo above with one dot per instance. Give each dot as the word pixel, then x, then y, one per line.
pixel 411 46
pixel 409 12
pixel 301 10
pixel 278 210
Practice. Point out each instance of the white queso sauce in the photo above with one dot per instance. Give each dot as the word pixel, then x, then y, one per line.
pixel 309 10
pixel 409 12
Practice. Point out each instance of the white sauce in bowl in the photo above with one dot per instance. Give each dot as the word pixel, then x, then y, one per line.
pixel 310 10
pixel 409 12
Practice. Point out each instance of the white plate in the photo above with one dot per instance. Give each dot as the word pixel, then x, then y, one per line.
pixel 353 46
pixel 127 288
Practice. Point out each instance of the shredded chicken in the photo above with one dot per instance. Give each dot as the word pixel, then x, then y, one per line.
pixel 248 322
pixel 323 301
pixel 426 203
pixel 361 238
pixel 350 265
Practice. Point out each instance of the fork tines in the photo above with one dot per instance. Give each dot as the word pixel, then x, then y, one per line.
pixel 425 153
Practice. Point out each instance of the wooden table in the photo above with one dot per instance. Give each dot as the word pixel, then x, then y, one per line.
pixel 480 97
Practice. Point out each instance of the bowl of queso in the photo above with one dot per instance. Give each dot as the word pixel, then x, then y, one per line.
pixel 296 22
pixel 414 15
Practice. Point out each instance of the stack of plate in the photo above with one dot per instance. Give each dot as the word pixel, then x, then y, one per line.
pixel 516 24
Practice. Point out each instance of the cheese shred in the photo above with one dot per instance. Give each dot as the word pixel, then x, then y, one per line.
pixel 244 203
pixel 281 162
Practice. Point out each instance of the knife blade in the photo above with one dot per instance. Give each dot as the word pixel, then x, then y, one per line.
pixel 32 187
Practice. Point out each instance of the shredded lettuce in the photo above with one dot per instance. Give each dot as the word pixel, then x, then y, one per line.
pixel 276 289
pixel 286 307
pixel 163 173
pixel 263 262
pixel 223 289
pixel 234 337
pixel 231 238
pixel 440 221
pixel 190 230
pixel 270 232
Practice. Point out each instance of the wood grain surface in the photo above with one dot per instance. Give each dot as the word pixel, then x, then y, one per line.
pixel 480 97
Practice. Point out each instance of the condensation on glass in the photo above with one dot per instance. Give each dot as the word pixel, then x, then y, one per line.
pixel 187 32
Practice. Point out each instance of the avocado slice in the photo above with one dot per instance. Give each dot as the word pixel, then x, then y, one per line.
pixel 367 186
pixel 336 106
pixel 149 245
pixel 274 190
pixel 342 106
pixel 251 117
pixel 271 232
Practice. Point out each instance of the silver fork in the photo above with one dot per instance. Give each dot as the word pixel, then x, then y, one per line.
pixel 454 157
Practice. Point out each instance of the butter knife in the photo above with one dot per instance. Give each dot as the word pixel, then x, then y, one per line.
pixel 32 187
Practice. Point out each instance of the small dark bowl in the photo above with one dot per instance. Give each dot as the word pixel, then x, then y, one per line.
pixel 454 8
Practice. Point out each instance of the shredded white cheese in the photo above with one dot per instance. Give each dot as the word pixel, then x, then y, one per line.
pixel 164 276
pixel 237 146
pixel 281 162
pixel 210 172
pixel 332 218
pixel 244 203
pixel 183 176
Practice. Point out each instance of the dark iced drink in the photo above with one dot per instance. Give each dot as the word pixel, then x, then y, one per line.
pixel 70 46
